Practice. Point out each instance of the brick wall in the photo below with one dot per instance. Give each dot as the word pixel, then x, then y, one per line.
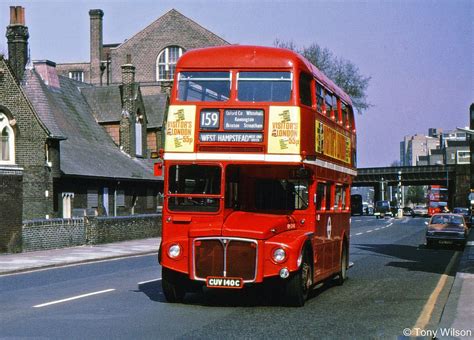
pixel 113 229
pixel 113 129
pixel 53 233
pixel 60 233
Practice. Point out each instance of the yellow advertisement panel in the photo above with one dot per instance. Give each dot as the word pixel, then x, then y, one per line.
pixel 332 143
pixel 284 130
pixel 179 127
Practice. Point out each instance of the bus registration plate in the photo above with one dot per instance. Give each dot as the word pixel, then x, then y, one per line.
pixel 224 282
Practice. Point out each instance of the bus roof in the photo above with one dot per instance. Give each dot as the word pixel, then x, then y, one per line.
pixel 239 56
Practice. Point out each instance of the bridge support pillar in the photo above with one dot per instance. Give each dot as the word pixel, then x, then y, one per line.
pixel 378 195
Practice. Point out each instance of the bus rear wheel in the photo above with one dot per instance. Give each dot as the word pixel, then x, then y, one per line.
pixel 172 287
pixel 297 287
pixel 342 275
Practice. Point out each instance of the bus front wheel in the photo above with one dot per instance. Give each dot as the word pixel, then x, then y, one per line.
pixel 298 285
pixel 172 289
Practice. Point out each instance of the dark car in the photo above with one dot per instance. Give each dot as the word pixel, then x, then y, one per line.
pixel 466 213
pixel 382 209
pixel 446 229
pixel 407 211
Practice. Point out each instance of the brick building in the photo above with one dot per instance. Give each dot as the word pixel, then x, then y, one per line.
pixel 55 160
pixel 154 51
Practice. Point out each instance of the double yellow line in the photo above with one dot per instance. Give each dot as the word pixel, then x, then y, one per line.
pixel 427 311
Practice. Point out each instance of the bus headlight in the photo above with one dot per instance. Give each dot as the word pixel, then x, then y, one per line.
pixel 279 255
pixel 174 251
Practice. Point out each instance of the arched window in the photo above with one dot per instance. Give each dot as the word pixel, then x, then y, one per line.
pixel 166 62
pixel 7 141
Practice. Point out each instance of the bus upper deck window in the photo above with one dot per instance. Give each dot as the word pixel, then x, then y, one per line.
pixel 345 116
pixel 329 105
pixel 305 89
pixel 204 86
pixel 264 86
pixel 319 98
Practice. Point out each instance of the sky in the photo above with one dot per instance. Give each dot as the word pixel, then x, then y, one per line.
pixel 419 54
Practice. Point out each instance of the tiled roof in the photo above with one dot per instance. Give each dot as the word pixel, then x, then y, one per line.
pixel 155 107
pixel 105 102
pixel 106 106
pixel 88 150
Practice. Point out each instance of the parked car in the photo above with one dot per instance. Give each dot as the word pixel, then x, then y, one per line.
pixel 407 211
pixel 382 209
pixel 466 213
pixel 420 210
pixel 446 229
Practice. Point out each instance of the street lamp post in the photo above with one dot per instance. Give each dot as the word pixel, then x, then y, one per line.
pixel 400 211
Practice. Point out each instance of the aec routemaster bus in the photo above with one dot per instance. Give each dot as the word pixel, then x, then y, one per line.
pixel 258 161
pixel 437 199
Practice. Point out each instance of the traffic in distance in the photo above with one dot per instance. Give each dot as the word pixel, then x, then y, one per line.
pixel 258 162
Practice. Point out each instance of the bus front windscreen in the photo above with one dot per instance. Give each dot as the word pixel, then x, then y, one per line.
pixel 204 86
pixel 264 86
pixel 194 188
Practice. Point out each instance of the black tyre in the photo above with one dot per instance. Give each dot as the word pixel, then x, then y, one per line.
pixel 342 275
pixel 173 288
pixel 298 285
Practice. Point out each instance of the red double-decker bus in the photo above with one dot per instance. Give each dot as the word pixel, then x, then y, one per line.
pixel 437 199
pixel 258 162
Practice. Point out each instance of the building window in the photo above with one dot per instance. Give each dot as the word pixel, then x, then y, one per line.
pixel 120 198
pixel 166 62
pixel 92 198
pixel 77 75
pixel 463 157
pixel 7 141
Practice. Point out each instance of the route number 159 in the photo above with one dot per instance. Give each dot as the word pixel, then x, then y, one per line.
pixel 209 119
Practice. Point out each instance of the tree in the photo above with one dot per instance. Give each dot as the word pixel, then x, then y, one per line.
pixel 343 72
pixel 415 194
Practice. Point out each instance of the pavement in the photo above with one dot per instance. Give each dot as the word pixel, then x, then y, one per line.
pixel 458 314
pixel 22 262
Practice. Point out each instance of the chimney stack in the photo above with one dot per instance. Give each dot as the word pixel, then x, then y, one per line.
pixel 96 44
pixel 129 92
pixel 17 37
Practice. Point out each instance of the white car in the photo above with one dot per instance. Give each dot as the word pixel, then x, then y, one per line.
pixel 420 210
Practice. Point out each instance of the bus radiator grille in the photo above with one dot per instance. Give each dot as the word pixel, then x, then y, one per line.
pixel 237 258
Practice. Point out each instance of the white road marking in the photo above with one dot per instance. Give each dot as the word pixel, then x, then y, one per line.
pixel 359 234
pixel 377 228
pixel 369 231
pixel 143 282
pixel 73 298
pixel 388 225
